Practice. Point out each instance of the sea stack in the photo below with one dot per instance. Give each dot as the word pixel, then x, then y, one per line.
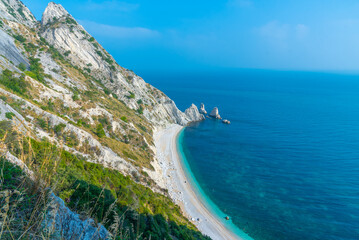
pixel 202 109
pixel 215 113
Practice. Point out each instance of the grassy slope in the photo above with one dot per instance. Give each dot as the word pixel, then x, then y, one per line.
pixel 91 189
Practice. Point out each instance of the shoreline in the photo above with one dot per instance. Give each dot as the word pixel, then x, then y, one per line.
pixel 182 190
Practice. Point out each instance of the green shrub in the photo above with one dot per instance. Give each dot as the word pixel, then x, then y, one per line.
pixel 18 85
pixel 129 78
pixel 123 118
pixel 92 39
pixel 36 71
pixel 99 53
pixel 30 48
pixel 75 97
pixel 20 11
pixel 9 115
pixel 140 110
pixel 132 95
pixel 22 66
pixel 100 132
pixel 20 38
pixel 109 60
pixel 59 128
pixel 42 123
pixel 70 20
pixel 107 91
pixel 55 54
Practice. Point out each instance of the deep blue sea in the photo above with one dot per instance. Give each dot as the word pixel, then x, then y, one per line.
pixel 287 168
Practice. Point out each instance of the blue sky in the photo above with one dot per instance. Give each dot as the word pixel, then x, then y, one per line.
pixel 187 35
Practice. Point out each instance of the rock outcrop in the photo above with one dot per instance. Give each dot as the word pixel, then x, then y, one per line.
pixel 193 114
pixel 16 11
pixel 215 114
pixel 65 224
pixel 9 50
pixel 202 109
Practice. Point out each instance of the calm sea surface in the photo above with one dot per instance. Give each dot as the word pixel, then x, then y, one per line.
pixel 288 165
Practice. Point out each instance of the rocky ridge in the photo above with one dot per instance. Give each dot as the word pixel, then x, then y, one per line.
pixel 62 31
pixel 15 10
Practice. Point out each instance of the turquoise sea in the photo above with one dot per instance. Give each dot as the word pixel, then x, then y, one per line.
pixel 287 168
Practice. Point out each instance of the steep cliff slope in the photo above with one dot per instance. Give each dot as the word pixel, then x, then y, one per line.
pixel 60 87
pixel 65 34
pixel 103 111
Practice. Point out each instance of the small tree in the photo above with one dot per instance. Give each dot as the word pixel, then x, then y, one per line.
pixel 9 115
pixel 100 132
pixel 22 66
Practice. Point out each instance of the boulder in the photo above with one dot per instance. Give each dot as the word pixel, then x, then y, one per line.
pixel 202 109
pixel 215 113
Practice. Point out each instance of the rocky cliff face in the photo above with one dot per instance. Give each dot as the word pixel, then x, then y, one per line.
pixel 9 51
pixel 63 32
pixel 65 224
pixel 193 113
pixel 16 11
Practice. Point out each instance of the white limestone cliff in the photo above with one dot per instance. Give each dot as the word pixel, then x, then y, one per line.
pixel 65 34
pixel 15 10
pixel 9 50
pixel 193 113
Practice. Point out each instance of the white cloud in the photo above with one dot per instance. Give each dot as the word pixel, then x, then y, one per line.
pixel 119 32
pixel 275 30
pixel 282 35
pixel 301 31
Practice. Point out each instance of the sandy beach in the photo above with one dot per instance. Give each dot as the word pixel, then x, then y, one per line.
pixel 180 189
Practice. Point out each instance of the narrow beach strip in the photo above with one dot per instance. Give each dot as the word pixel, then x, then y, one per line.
pixel 183 190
